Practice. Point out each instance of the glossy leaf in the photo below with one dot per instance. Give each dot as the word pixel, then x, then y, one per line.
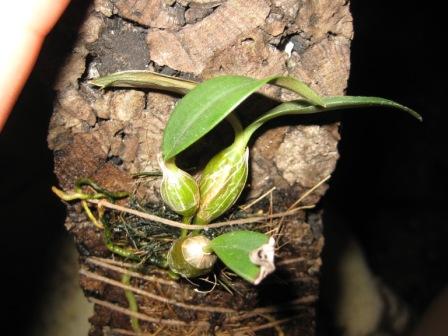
pixel 331 103
pixel 144 79
pixel 290 83
pixel 234 248
pixel 211 101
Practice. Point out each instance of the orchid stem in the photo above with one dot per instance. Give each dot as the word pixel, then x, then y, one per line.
pixel 132 302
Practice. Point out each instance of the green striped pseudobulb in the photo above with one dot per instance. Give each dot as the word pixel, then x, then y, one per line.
pixel 178 189
pixel 222 182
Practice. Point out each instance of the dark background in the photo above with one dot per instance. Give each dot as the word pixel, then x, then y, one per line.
pixel 389 187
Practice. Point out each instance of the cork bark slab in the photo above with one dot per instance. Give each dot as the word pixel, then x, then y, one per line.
pixel 109 135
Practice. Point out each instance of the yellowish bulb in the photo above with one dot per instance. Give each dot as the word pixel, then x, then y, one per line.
pixel 190 256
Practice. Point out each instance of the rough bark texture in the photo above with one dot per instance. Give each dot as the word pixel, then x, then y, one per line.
pixel 109 135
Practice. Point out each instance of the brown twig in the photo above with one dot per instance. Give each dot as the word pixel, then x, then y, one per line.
pixel 290 261
pixel 284 306
pixel 309 192
pixel 293 209
pixel 154 218
pixel 144 317
pixel 131 333
pixel 127 265
pixel 263 326
pixel 300 200
pixel 278 329
pixel 249 205
pixel 128 333
pixel 100 263
pixel 241 315
pixel 210 309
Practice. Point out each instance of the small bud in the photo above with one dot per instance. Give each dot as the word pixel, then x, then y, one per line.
pixel 178 189
pixel 222 182
pixel 190 258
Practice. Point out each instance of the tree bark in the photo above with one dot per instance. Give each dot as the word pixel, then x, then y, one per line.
pixel 109 135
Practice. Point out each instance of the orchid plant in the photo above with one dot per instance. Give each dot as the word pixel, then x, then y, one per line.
pixel 249 254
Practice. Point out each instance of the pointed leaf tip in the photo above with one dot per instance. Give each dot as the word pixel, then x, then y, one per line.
pixel 144 79
pixel 331 103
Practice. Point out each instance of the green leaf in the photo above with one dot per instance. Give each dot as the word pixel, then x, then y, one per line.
pixel 233 249
pixel 331 103
pixel 211 101
pixel 144 79
pixel 299 87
